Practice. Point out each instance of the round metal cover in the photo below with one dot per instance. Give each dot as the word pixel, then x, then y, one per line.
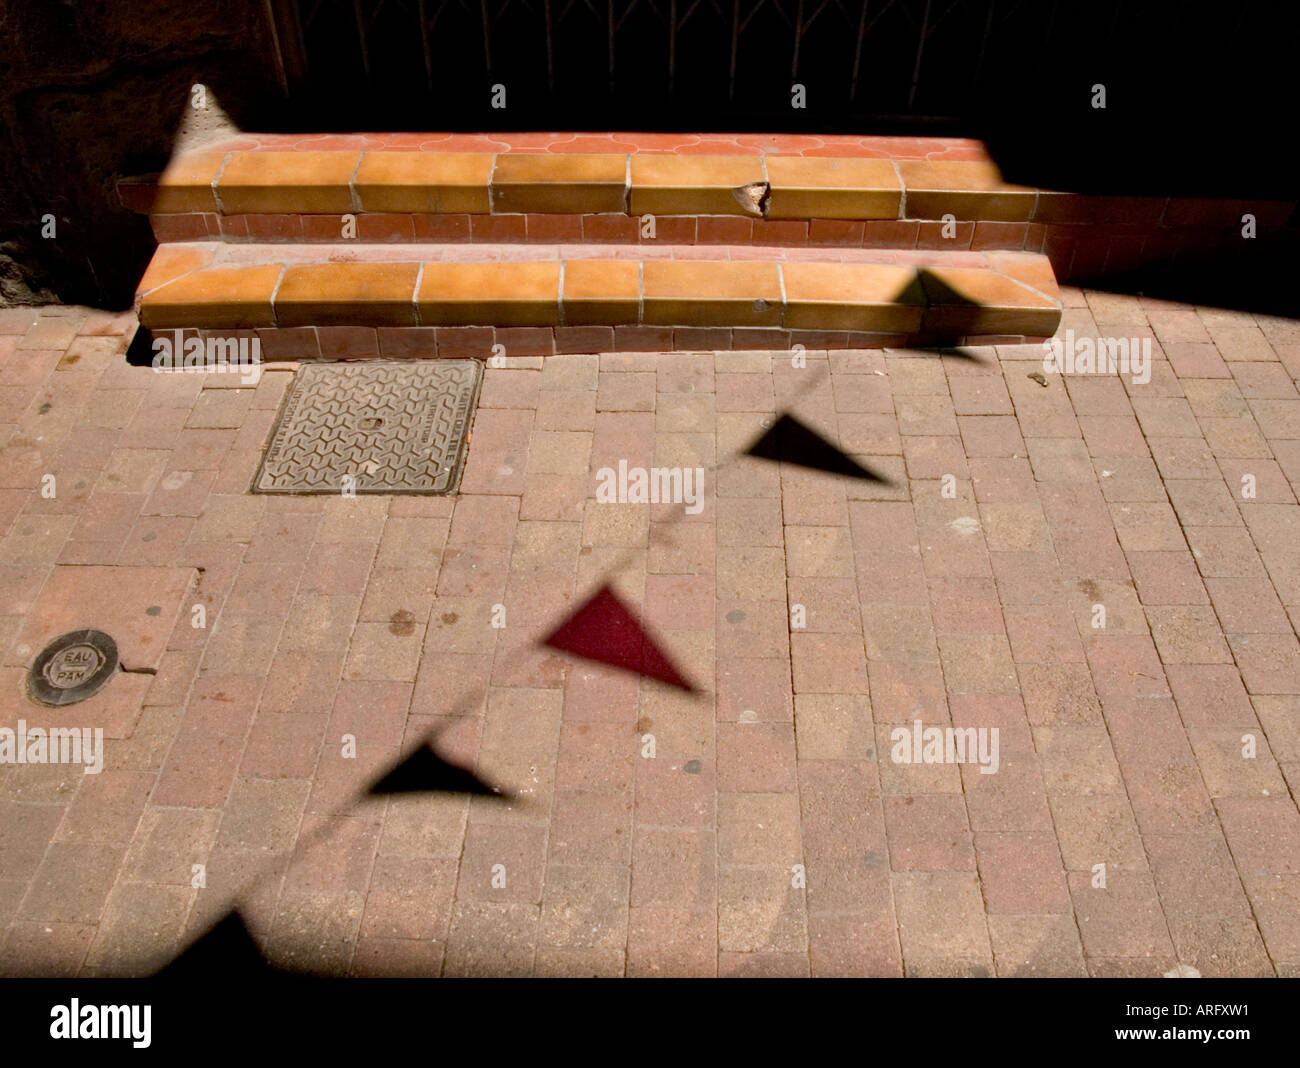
pixel 72 667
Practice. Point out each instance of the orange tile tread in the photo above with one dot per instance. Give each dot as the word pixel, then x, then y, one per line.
pixel 994 293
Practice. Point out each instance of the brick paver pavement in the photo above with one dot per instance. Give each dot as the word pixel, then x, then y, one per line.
pixel 1105 570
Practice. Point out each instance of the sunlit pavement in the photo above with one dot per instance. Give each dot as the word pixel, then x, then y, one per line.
pixel 1103 567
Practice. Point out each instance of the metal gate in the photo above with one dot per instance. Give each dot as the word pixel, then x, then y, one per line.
pixel 692 64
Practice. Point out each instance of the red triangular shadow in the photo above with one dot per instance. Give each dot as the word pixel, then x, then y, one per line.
pixel 606 631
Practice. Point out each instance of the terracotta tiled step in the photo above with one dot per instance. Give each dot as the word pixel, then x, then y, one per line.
pixel 939 193
pixel 742 144
pixel 296 179
pixel 216 286
pixel 333 183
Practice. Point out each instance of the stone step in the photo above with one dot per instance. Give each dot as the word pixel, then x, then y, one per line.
pixel 791 190
pixel 269 182
pixel 864 192
pixel 754 293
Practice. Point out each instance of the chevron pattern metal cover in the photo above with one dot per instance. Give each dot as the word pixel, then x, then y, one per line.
pixel 372 428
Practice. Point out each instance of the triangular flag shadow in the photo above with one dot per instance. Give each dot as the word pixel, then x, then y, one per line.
pixel 606 631
pixel 938 291
pixel 790 442
pixel 424 771
pixel 140 352
pixel 949 313
pixel 226 951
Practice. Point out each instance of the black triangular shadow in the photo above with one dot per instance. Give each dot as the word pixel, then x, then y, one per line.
pixel 790 442
pixel 140 352
pixel 225 952
pixel 937 291
pixel 424 771
pixel 963 352
pixel 943 303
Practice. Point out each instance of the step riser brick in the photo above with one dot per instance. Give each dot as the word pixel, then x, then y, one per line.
pixel 805 188
pixel 601 292
pixel 426 182
pixel 322 294
pixel 854 298
pixel 524 183
pixel 693 185
pixel 775 187
pixel 1079 252
pixel 281 346
pixel 287 182
pixel 711 294
pixel 214 297
pixel 964 190
pixel 672 228
pixel 489 294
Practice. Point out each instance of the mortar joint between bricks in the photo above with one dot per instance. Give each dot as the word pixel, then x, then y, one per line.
pixel 560 318
pixel 353 195
pixel 216 185
pixel 492 200
pixel 780 277
pixel 415 294
pixel 275 292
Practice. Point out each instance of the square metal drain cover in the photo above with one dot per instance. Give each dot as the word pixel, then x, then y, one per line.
pixel 372 428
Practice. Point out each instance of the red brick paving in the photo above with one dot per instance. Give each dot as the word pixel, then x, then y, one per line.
pixel 771 833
